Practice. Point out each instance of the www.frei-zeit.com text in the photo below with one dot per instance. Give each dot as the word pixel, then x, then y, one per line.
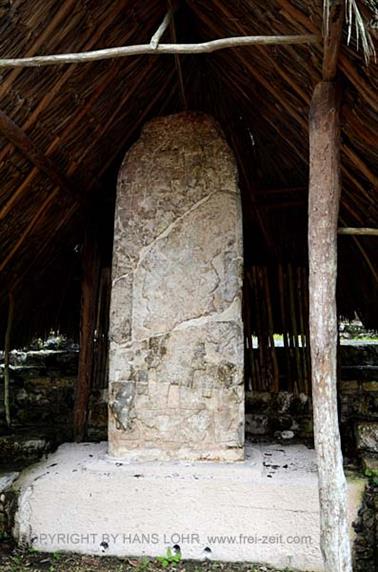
pixel 170 539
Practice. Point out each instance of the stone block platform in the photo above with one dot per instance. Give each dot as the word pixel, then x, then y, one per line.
pixel 264 509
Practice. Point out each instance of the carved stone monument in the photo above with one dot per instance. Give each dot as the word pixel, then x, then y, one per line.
pixel 176 336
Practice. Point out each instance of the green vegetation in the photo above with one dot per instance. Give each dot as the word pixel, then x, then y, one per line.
pixel 169 559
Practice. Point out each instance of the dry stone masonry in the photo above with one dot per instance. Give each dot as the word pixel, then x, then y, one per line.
pixel 176 337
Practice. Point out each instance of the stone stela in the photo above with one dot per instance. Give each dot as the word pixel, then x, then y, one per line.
pixel 176 387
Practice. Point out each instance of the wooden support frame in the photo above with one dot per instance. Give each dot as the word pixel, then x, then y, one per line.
pixel 11 131
pixel 143 49
pixel 332 38
pixel 155 40
pixel 324 202
pixel 7 348
pixel 89 291
pixel 324 197
pixel 358 231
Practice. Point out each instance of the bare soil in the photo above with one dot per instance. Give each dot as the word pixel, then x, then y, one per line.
pixel 16 560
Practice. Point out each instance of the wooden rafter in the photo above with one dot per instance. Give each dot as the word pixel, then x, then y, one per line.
pixel 59 140
pixel 11 131
pixel 66 10
pixel 44 117
pixel 273 120
pixel 73 209
pixel 138 124
pixel 330 53
pixel 345 65
pixel 64 77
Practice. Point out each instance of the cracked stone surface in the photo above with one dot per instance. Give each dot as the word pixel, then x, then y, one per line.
pixel 176 335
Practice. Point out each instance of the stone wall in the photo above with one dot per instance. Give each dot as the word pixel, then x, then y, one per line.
pixel 42 393
pixel 365 549
pixel 176 335
pixel 287 417
pixel 41 397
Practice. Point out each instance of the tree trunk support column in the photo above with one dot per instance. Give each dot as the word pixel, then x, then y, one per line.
pixel 324 196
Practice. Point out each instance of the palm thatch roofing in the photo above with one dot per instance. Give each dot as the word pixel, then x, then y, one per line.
pixel 83 118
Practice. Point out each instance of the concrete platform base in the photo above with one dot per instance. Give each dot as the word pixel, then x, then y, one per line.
pixel 264 509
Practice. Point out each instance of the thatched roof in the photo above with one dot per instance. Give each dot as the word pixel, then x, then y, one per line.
pixel 84 117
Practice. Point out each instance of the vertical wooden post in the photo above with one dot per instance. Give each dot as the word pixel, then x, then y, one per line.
pixel 324 195
pixel 7 347
pixel 89 288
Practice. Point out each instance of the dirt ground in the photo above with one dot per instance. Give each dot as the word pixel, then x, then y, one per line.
pixel 15 560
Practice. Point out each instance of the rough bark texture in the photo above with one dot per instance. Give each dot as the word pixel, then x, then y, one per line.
pixel 176 336
pixel 324 195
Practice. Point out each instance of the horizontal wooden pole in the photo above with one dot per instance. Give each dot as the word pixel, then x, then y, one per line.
pixel 358 231
pixel 147 49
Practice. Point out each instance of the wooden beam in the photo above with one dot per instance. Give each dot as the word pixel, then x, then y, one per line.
pixel 332 38
pixel 80 161
pixel 155 40
pixel 346 66
pixel 324 197
pixel 358 231
pixel 54 27
pixel 59 140
pixel 143 49
pixel 14 134
pixel 63 79
pixel 260 77
pixel 360 165
pixel 89 289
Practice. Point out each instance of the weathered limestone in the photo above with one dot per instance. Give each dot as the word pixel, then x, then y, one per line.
pixel 367 436
pixel 176 336
pixel 264 509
